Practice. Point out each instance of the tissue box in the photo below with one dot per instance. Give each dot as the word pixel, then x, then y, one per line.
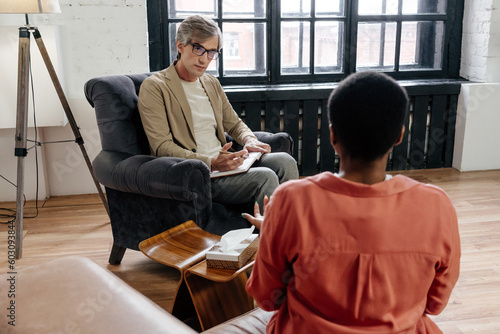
pixel 234 258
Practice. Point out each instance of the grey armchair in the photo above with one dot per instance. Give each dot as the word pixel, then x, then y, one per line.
pixel 146 194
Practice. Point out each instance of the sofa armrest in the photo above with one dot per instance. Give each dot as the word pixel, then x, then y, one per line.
pixel 76 295
pixel 279 142
pixel 162 177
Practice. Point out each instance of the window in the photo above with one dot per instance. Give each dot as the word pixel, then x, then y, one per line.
pixel 400 35
pixel 231 45
pixel 310 41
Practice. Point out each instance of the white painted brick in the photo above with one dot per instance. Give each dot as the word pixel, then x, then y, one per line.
pixel 100 37
pixel 483 27
pixel 88 2
pixel 113 2
pixel 475 74
pixel 480 39
pixel 479 52
pixel 480 74
pixel 478 61
pixel 135 3
pixel 481 49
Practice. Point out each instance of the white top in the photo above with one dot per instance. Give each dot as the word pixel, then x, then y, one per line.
pixel 205 126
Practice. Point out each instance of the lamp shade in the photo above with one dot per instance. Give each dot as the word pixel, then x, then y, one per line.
pixel 29 6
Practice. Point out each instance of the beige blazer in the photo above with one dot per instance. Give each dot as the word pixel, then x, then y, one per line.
pixel 168 121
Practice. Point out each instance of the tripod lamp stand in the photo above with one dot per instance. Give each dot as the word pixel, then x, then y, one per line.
pixel 35 7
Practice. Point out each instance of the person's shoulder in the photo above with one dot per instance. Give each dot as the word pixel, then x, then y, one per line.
pixel 304 183
pixel 426 190
pixel 154 79
pixel 426 187
pixel 159 76
pixel 157 81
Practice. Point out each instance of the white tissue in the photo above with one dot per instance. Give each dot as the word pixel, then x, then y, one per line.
pixel 232 239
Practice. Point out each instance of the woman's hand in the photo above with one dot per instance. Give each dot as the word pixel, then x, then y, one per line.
pixel 257 219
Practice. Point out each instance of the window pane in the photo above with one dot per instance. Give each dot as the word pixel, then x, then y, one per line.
pixel 376 45
pixel 329 8
pixel 295 47
pixel 244 49
pixel 421 45
pixel 244 8
pixel 182 8
pixel 377 7
pixel 296 8
pixel 424 6
pixel 172 27
pixel 328 47
pixel 408 54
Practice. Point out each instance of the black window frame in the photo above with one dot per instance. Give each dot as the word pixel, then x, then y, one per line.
pixel 160 48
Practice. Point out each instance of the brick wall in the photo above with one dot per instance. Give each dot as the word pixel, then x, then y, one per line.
pixel 493 64
pixel 95 38
pixel 99 37
pixel 481 41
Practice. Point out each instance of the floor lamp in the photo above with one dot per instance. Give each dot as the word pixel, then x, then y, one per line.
pixel 35 7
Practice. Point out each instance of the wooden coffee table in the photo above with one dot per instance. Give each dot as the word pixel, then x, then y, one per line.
pixel 212 295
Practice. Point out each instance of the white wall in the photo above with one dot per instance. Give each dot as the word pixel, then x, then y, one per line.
pixel 50 111
pixel 96 38
pixel 477 140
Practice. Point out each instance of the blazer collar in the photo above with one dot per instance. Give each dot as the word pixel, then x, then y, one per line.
pixel 173 82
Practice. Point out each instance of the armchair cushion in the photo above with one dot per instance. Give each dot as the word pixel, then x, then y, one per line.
pixel 171 178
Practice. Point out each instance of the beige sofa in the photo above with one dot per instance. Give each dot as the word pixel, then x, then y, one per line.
pixel 75 295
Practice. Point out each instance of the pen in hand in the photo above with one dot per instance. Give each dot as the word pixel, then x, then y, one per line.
pixel 226 152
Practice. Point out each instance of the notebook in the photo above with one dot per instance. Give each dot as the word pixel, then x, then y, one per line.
pixel 252 157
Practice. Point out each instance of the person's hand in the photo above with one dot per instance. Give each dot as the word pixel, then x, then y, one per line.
pixel 257 219
pixel 252 144
pixel 226 160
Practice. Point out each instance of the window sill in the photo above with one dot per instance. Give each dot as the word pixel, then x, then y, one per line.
pixel 323 90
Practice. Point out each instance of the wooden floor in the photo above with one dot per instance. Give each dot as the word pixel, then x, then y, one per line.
pixel 78 225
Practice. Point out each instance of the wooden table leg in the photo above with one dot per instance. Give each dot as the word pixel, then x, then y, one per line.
pixel 216 302
pixel 214 295
pixel 183 307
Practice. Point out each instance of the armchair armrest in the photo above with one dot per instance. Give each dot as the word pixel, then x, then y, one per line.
pixel 162 177
pixel 279 142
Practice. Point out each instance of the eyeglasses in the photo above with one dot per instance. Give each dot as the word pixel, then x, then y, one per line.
pixel 200 51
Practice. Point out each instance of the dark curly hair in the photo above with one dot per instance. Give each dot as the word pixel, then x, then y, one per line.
pixel 367 111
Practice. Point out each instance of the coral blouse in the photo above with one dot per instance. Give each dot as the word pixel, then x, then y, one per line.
pixel 337 256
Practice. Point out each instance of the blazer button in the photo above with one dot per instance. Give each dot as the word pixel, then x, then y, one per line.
pixel 193 150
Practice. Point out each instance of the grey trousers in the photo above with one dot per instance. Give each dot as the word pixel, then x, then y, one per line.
pixel 261 179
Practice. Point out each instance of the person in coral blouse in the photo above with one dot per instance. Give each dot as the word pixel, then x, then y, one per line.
pixel 358 251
